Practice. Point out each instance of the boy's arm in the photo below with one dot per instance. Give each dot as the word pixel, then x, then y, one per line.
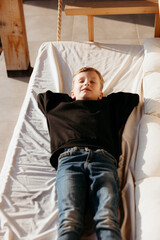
pixel 41 102
pixel 126 103
pixel 49 100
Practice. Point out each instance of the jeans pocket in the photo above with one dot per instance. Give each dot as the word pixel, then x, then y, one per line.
pixel 108 155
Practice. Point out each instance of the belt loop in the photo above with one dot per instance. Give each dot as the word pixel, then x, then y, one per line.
pixel 89 151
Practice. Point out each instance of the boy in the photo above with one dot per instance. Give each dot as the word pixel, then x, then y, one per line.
pixel 84 131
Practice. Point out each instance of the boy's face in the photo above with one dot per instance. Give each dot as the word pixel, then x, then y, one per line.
pixel 87 86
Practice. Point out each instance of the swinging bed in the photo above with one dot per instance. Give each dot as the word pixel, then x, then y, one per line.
pixel 28 201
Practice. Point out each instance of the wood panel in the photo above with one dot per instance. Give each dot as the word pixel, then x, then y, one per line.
pixel 13 35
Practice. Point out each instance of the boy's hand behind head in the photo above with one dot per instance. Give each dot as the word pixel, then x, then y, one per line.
pixel 87 86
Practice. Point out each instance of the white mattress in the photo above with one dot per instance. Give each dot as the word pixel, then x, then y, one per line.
pixel 28 205
pixel 147 166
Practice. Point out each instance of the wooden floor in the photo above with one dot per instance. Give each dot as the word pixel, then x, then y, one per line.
pixel 41 21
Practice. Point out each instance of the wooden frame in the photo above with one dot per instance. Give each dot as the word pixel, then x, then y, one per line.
pixel 114 8
pixel 13 35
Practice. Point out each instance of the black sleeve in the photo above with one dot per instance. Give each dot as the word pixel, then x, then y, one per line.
pixel 124 104
pixel 41 102
pixel 49 100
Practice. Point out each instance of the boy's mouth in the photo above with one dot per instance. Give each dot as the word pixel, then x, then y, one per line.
pixel 86 89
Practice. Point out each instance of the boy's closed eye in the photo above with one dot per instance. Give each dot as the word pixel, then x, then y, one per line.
pixel 81 81
pixel 92 81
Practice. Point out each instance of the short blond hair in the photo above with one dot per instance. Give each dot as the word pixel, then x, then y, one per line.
pixel 86 69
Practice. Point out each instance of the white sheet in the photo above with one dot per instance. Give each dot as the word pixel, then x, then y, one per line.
pixel 28 207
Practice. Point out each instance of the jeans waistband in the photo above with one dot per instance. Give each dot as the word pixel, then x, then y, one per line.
pixel 75 149
pixel 72 150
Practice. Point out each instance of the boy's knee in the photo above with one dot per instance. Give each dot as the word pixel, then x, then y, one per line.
pixel 71 222
pixel 68 236
pixel 70 229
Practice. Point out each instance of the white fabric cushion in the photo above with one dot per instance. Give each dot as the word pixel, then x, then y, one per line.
pixel 148 154
pixel 148 209
pixel 152 55
pixel 151 86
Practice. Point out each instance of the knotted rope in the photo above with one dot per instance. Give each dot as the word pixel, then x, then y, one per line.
pixel 59 20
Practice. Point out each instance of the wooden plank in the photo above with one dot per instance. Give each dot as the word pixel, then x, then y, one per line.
pixel 13 35
pixel 90 28
pixel 157 22
pixel 111 8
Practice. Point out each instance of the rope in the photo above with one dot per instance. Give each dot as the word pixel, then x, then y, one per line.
pixel 59 20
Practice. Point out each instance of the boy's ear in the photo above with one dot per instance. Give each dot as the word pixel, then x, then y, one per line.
pixel 100 96
pixel 72 94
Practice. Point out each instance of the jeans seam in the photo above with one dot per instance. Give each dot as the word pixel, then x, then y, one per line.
pixel 109 157
pixel 86 162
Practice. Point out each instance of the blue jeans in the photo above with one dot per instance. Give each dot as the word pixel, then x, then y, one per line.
pixel 85 173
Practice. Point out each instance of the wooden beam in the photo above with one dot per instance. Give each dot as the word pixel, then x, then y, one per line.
pixel 13 35
pixel 90 28
pixel 157 22
pixel 111 7
pixel 157 25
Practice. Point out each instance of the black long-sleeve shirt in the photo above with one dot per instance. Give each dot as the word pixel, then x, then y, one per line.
pixel 86 123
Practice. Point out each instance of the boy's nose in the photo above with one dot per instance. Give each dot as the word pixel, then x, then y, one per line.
pixel 87 83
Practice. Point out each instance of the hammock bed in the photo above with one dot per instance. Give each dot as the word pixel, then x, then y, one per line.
pixel 28 201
